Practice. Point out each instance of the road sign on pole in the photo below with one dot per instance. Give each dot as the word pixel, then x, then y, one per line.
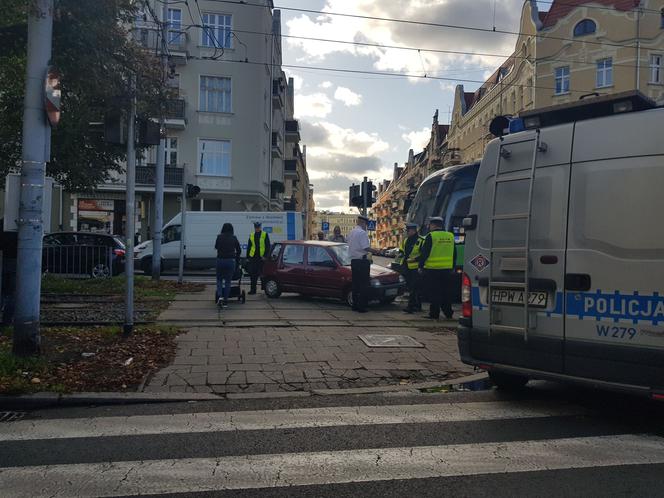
pixel 325 226
pixel 52 95
pixel 371 225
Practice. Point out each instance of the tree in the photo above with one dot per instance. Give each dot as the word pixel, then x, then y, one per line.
pixel 96 55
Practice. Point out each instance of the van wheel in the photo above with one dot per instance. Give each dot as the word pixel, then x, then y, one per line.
pixel 146 266
pixel 508 382
pixel 272 288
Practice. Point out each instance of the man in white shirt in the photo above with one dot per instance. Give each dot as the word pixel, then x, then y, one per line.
pixel 358 248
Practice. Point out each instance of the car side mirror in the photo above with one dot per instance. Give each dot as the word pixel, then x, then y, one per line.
pixel 470 222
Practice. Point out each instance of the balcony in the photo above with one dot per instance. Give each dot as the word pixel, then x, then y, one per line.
pixel 175 114
pixel 290 204
pixel 145 176
pixel 277 148
pixel 290 168
pixel 150 39
pixel 277 94
pixel 292 130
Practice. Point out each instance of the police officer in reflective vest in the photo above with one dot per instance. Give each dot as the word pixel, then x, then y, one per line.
pixel 437 266
pixel 258 248
pixel 410 260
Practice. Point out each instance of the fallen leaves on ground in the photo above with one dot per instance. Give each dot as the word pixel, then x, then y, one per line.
pixel 87 359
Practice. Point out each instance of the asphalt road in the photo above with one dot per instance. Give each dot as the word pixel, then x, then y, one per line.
pixel 548 441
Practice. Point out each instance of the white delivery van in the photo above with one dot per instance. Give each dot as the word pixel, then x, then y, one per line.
pixel 201 230
pixel 564 263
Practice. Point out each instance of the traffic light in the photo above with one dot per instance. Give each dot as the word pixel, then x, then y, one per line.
pixel 149 132
pixel 355 196
pixel 370 193
pixel 192 191
pixel 115 127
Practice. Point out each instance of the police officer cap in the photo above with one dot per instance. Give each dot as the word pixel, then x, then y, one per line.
pixel 436 219
pixel 411 226
pixel 257 224
pixel 362 217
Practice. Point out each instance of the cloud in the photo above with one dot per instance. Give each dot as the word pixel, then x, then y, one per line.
pixel 326 84
pixel 316 105
pixel 476 13
pixel 298 82
pixel 324 138
pixel 347 96
pixel 418 139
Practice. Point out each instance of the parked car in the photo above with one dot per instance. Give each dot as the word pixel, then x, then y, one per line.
pixel 97 255
pixel 321 268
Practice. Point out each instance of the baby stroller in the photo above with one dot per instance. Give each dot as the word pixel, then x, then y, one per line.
pixel 236 290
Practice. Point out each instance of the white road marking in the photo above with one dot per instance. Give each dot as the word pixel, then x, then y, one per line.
pixel 331 467
pixel 26 430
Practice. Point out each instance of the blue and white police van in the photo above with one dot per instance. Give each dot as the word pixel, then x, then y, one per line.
pixel 564 263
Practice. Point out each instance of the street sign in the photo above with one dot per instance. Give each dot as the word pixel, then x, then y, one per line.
pixel 52 95
pixel 371 226
pixel 325 226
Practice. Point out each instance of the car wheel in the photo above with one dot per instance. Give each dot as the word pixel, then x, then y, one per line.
pixel 272 289
pixel 349 298
pixel 100 270
pixel 508 382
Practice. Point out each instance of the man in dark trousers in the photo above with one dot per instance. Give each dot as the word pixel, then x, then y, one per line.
pixel 437 266
pixel 359 248
pixel 410 253
pixel 258 248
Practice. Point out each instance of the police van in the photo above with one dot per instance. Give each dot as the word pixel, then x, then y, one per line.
pixel 564 263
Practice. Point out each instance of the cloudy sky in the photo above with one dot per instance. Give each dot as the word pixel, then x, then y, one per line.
pixel 358 125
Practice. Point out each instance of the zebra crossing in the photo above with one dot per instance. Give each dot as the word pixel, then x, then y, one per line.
pixel 288 450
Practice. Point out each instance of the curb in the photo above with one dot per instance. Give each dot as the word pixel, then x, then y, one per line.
pixel 48 400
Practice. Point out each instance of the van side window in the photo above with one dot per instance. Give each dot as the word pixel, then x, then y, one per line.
pixel 171 234
pixel 616 207
pixel 293 255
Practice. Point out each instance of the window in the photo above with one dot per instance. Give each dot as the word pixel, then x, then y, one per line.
pixel 318 256
pixel 171 234
pixel 274 252
pixel 171 152
pixel 215 157
pixel 661 19
pixel 562 80
pixel 215 94
pixel 293 255
pixel 585 27
pixel 216 30
pixel 604 72
pixel 656 68
pixel 174 18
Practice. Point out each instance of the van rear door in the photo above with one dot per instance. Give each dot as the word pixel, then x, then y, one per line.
pixel 615 256
pixel 501 338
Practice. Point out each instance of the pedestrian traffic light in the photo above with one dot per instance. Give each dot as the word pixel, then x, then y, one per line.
pixel 192 190
pixel 355 196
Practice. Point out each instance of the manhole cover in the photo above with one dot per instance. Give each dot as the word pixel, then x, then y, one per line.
pixel 389 341
pixel 11 416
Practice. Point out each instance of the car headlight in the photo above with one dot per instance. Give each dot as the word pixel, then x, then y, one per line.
pixel 401 279
pixel 375 282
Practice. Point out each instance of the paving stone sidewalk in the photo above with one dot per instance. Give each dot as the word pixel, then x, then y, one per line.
pixel 298 344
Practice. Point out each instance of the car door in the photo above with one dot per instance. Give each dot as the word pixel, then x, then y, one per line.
pixel 292 270
pixel 322 272
pixel 615 254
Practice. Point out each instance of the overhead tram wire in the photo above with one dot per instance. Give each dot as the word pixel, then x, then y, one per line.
pixel 383 73
pixel 416 49
pixel 423 23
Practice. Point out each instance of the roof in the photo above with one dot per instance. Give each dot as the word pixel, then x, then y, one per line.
pixel 560 8
pixel 469 98
pixel 324 243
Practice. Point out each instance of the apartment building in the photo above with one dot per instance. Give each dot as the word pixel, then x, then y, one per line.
pixel 345 221
pixel 229 126
pixel 575 48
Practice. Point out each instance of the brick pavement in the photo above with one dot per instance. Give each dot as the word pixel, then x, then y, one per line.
pixel 299 344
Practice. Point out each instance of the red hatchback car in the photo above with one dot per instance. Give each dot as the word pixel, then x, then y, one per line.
pixel 319 268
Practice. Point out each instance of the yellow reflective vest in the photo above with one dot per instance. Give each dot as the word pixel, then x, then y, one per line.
pixel 441 256
pixel 413 258
pixel 251 250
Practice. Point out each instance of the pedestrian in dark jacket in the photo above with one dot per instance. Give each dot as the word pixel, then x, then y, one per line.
pixel 228 258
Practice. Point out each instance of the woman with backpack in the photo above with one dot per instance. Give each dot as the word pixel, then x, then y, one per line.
pixel 228 258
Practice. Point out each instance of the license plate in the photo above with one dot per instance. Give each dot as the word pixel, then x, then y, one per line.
pixel 536 299
pixel 390 292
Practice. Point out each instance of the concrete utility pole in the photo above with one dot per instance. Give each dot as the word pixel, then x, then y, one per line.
pixel 161 158
pixel 130 211
pixel 36 134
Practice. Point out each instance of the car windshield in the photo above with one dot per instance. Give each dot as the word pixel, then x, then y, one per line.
pixel 341 252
